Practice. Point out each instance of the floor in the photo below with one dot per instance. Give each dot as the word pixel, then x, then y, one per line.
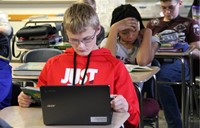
pixel 194 121
pixel 162 121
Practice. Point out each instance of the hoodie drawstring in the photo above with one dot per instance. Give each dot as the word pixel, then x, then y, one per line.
pixel 87 65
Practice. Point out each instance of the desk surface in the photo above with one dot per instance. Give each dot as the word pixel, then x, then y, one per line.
pixel 22 78
pixel 135 76
pixel 175 54
pixel 144 76
pixel 26 117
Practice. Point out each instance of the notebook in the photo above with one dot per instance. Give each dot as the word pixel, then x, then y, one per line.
pixel 76 105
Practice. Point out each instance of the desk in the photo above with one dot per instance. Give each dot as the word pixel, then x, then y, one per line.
pixel 143 77
pixel 135 76
pixel 32 117
pixel 181 56
pixel 22 78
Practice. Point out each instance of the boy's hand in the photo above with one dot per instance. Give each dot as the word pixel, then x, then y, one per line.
pixel 24 100
pixel 119 104
pixel 127 23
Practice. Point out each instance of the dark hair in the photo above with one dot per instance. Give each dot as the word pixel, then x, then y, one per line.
pixel 196 3
pixel 124 11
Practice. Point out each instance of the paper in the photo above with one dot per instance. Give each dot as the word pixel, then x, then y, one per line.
pixel 137 68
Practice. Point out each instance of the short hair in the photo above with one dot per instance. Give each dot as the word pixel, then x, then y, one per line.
pixel 90 2
pixel 79 16
pixel 124 11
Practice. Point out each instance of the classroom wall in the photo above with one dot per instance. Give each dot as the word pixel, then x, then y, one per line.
pixel 147 8
pixel 42 9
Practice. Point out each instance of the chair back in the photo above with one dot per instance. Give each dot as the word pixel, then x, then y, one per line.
pixel 40 55
pixel 4 47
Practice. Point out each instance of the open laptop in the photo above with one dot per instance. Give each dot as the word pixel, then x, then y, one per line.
pixel 76 105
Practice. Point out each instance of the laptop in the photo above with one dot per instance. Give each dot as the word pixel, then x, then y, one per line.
pixel 76 105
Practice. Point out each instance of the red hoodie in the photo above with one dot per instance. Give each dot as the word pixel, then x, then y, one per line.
pixel 103 69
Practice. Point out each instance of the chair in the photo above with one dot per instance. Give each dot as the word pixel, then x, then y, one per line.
pixel 39 55
pixel 150 105
pixel 149 117
pixel 194 91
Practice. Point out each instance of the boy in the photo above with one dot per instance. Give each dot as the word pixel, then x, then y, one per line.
pixel 86 64
pixel 171 25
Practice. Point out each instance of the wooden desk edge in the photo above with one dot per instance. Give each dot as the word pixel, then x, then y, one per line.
pixel 15 111
pixel 137 76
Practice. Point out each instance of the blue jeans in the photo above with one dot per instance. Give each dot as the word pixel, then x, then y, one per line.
pixel 171 72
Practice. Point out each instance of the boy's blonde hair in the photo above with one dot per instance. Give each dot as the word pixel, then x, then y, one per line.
pixel 79 16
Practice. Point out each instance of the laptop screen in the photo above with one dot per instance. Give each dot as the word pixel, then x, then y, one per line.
pixel 76 105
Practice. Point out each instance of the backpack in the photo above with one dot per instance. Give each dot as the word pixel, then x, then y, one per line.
pixel 32 37
pixel 36 32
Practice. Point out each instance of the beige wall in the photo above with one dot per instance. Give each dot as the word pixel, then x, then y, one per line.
pixel 104 9
pixel 148 9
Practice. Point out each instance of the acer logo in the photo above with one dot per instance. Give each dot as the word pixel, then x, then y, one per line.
pixel 51 106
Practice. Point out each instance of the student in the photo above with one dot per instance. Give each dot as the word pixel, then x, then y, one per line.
pixel 101 35
pixel 5 68
pixel 128 40
pixel 86 64
pixel 172 24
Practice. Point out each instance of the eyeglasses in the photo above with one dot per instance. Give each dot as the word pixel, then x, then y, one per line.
pixel 169 8
pixel 84 40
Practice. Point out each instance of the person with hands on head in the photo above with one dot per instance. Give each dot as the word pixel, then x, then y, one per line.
pixel 87 64
pixel 128 40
